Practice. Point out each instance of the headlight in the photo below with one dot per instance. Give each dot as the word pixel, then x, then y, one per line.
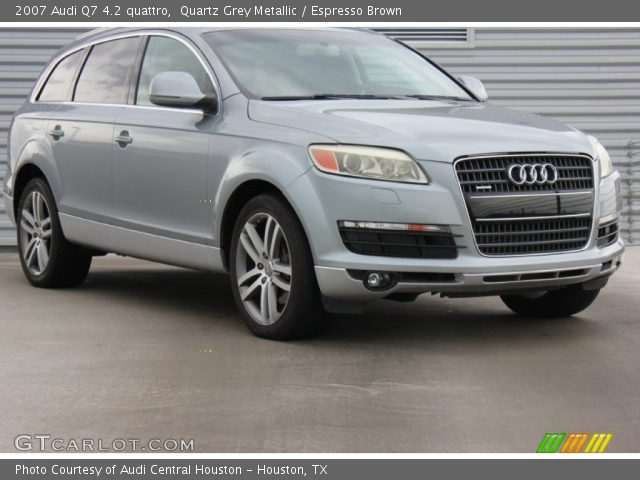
pixel 606 167
pixel 367 162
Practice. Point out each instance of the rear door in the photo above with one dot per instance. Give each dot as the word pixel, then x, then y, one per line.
pixel 160 166
pixel 81 130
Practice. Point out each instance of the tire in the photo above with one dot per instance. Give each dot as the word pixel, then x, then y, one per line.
pixel 553 304
pixel 48 260
pixel 274 283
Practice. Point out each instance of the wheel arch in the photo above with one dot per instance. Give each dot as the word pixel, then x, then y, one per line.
pixel 35 160
pixel 237 199
pixel 27 172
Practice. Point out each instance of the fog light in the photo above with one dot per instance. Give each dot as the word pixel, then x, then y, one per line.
pixel 378 280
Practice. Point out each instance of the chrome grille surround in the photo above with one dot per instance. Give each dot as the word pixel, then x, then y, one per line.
pixel 527 233
pixel 575 172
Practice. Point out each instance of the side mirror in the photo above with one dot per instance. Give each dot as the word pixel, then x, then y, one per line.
pixel 179 90
pixel 475 86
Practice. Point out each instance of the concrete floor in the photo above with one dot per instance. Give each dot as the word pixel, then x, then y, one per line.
pixel 127 356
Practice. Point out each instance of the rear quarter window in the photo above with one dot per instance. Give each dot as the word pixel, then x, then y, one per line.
pixel 58 86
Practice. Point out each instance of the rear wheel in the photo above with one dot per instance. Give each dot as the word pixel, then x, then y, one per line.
pixel 563 302
pixel 48 260
pixel 272 274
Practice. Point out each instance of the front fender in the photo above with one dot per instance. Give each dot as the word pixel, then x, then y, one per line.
pixel 277 164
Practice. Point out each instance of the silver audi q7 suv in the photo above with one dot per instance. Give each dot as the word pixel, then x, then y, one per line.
pixel 321 168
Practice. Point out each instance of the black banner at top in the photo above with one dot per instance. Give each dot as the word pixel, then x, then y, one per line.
pixel 369 11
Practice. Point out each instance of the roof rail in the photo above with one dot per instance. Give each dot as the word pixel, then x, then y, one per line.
pixel 93 31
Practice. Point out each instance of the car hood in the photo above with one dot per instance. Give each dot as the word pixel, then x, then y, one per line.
pixel 426 129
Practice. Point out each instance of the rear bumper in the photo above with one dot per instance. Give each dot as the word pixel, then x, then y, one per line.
pixel 485 276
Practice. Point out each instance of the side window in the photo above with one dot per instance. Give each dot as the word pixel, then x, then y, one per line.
pixel 105 75
pixel 166 54
pixel 58 85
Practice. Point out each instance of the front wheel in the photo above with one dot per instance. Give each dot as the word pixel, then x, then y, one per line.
pixel 563 302
pixel 272 274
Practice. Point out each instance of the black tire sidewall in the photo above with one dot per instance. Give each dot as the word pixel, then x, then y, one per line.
pixel 40 186
pixel 68 265
pixel 303 315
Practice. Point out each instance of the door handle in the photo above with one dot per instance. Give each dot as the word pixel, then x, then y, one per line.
pixel 124 139
pixel 57 133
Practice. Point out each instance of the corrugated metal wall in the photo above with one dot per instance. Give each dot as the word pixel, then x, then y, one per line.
pixel 586 77
pixel 23 54
pixel 589 78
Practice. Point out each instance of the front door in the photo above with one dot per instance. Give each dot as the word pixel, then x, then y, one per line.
pixel 161 154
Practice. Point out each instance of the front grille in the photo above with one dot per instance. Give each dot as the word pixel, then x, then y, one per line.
pixel 608 233
pixel 405 244
pixel 521 237
pixel 511 219
pixel 489 174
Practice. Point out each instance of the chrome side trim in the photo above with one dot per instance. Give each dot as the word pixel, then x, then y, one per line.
pixel 141 245
pixel 146 107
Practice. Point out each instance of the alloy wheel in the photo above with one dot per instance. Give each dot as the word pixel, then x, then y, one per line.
pixel 35 233
pixel 263 268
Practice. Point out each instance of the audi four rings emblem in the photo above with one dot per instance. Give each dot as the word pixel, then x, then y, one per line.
pixel 532 174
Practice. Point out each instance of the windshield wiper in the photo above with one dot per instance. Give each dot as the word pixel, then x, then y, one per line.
pixel 333 96
pixel 436 97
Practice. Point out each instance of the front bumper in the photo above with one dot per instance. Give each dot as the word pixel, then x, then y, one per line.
pixel 322 200
pixel 485 277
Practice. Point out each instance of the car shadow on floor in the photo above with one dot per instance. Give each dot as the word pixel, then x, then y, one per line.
pixel 187 292
pixel 197 295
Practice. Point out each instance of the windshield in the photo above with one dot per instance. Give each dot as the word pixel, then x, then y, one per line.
pixel 291 64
